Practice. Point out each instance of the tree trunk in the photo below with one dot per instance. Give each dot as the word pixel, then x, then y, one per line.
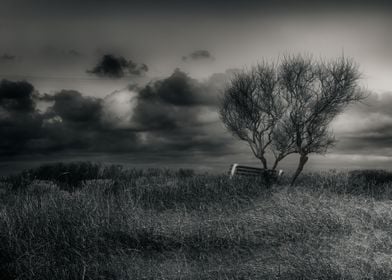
pixel 264 162
pixel 277 160
pixel 302 161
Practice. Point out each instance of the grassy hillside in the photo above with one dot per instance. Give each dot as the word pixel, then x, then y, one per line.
pixel 157 224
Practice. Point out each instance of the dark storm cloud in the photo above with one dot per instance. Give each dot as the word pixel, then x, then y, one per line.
pixel 179 114
pixel 173 115
pixel 16 96
pixel 74 123
pixel 20 123
pixel 112 66
pixel 175 102
pixel 74 108
pixel 198 55
pixel 71 123
pixel 169 117
pixel 178 89
pixel 370 131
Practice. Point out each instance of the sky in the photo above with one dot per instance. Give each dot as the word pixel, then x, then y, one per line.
pixel 138 82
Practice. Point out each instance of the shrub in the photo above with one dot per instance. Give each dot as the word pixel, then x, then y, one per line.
pixel 185 172
pixel 376 177
pixel 68 174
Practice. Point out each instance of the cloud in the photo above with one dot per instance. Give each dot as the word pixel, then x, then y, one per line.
pixel 178 89
pixel 178 114
pixel 74 53
pixel 366 128
pixel 112 66
pixel 119 107
pixel 72 123
pixel 55 53
pixel 74 108
pixel 199 55
pixel 20 123
pixel 7 57
pixel 177 101
pixel 137 69
pixel 16 96
pixel 174 116
pixel 75 123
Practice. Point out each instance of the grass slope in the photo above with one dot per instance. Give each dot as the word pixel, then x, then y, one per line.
pixel 176 225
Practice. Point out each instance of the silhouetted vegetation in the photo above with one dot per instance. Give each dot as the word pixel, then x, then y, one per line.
pixel 71 175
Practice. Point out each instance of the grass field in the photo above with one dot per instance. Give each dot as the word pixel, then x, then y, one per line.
pixel 161 224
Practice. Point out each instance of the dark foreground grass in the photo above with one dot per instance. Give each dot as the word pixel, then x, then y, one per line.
pixel 176 225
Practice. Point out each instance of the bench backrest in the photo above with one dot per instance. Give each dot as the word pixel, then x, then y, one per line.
pixel 242 170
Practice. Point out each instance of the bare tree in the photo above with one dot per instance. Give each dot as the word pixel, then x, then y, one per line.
pixel 251 107
pixel 288 108
pixel 315 93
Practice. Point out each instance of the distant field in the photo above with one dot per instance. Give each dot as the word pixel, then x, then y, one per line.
pixel 161 224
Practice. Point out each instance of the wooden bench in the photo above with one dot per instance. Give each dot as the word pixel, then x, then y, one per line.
pixel 242 170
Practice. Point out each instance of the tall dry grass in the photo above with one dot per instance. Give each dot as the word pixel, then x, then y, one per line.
pixel 162 224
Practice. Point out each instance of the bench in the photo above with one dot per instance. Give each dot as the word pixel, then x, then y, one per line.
pixel 242 170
